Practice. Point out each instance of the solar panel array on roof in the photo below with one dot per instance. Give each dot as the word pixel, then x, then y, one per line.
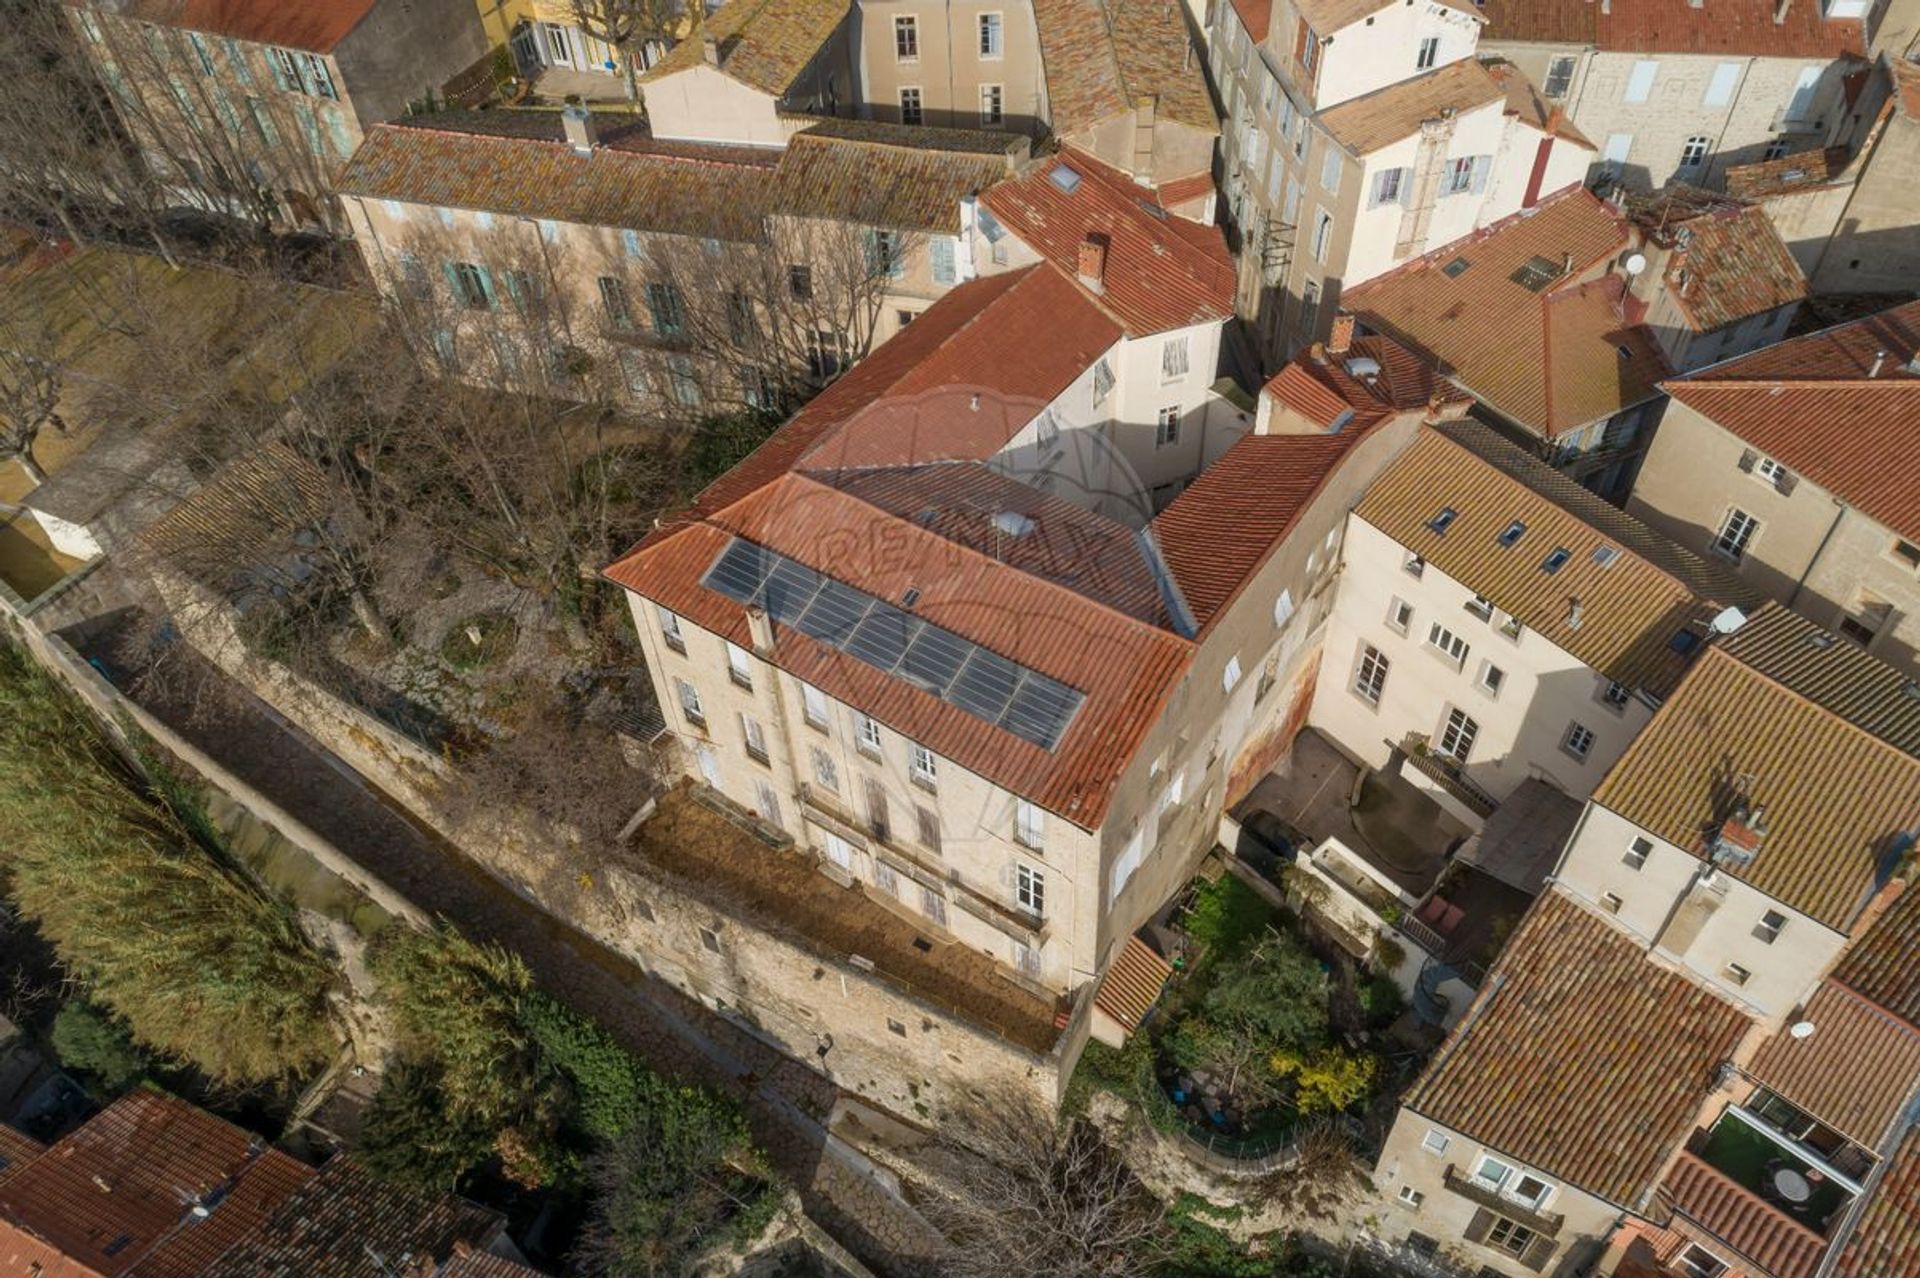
pixel 986 685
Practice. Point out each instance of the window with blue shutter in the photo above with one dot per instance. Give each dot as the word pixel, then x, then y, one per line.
pixel 669 312
pixel 631 240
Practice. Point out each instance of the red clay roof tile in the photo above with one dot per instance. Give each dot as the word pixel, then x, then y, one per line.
pixel 313 25
pixel 1853 1073
pixel 1667 26
pixel 1760 1232
pixel 1885 1241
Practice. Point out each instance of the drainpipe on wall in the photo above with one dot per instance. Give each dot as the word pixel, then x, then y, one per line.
pixel 1832 528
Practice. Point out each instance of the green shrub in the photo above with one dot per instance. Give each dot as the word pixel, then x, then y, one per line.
pixel 88 1040
pixel 1227 915
pixel 1264 1003
pixel 610 1084
pixel 412 1136
pixel 720 443
pixel 1381 1001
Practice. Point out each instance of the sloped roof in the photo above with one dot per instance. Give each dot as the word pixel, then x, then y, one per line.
pixel 1552 356
pixel 1320 385
pixel 762 43
pixel 1781 1245
pixel 17 1149
pixel 1662 26
pixel 882 175
pixel 1837 799
pixel 717 192
pixel 1528 105
pixel 316 26
pixel 1841 678
pixel 1810 404
pixel 1163 272
pixel 1886 1238
pixel 1132 984
pixel 1884 965
pixel 480 1264
pixel 1729 264
pixel 1367 123
pixel 1800 171
pixel 1853 1073
pixel 109 1195
pixel 1580 1057
pixel 326 1228
pixel 1631 606
pixel 901 428
pixel 1104 57
pixel 1329 16
pixel 1217 533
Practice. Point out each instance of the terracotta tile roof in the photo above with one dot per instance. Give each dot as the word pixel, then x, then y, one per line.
pixel 480 1264
pixel 326 1228
pixel 1256 16
pixel 1780 1246
pixel 1218 532
pixel 1630 607
pixel 1856 1070
pixel 1580 1057
pixel 1552 359
pixel 1365 124
pixel 116 1195
pixel 17 1149
pixel 1526 104
pixel 885 179
pixel 1801 171
pixel 1320 386
pixel 1729 264
pixel 1104 57
pixel 314 25
pixel 725 198
pixel 1885 1241
pixel 1132 984
pixel 762 43
pixel 1840 677
pixel 1329 16
pixel 1884 965
pixel 1809 403
pixel 1163 272
pixel 1729 734
pixel 1662 26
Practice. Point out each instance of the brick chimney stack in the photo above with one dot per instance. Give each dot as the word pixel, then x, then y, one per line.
pixel 1093 262
pixel 1340 339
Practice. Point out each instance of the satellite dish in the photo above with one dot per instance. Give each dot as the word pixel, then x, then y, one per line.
pixel 1729 621
pixel 1635 263
pixel 1801 1029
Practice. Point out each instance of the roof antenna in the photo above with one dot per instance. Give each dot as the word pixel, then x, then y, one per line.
pixel 1879 358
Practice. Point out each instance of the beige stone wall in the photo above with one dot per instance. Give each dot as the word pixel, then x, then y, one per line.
pixel 1876 242
pixel 1827 560
pixel 948 69
pixel 1411 1178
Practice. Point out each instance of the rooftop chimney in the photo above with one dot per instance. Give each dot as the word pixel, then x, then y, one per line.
pixel 578 123
pixel 1573 614
pixel 1780 12
pixel 1738 840
pixel 1093 262
pixel 760 628
pixel 710 48
pixel 1341 338
pixel 1879 358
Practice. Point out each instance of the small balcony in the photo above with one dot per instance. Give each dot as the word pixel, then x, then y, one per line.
pixel 1420 755
pixel 1489 1196
pixel 1789 1177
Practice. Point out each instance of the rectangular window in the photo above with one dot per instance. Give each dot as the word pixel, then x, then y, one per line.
pixel 1768 928
pixel 1559 77
pixel 1411 1196
pixel 933 905
pixel 670 629
pixel 1387 186
pixel 1400 616
pixel 990 44
pixel 1510 1236
pixel 1720 89
pixel 1492 679
pixel 1030 889
pixel 739 665
pixel 866 734
pixel 1435 1142
pixel 940 253
pixel 1309 305
pixel 1769 471
pixel 1736 534
pixel 800 281
pixel 1737 974
pixel 1694 154
pixel 1481 607
pixel 1616 695
pixel 681 382
pixel 925 769
pixel 1637 852
pixel 619 307
pixel 317 78
pixel 1428 55
pixel 1166 429
pixel 877 823
pixel 1800 105
pixel 1578 742
pixel 263 122
pixel 813 706
pixel 690 703
pixel 1173 359
pixel 839 851
pixel 910 106
pixel 1029 825
pixel 1330 167
pixel 1448 644
pixel 766 800
pixel 1456 739
pixel 667 310
pixel 992 110
pixel 1459 178
pixel 1611 902
pixel 1640 81
pixel 1697 1262
pixel 755 737
pixel 927 822
pixel 906 39
pixel 825 774
pixel 886 878
pixel 1322 236
pixel 1413 565
pixel 285 74
pixel 1619 147
pixel 472 285
pixel 1370 680
pixel 1307 47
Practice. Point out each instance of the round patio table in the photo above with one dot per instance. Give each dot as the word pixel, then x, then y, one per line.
pixel 1791 1185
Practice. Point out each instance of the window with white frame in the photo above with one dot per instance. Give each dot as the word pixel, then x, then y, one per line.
pixel 766 800
pixel 1399 615
pixel 839 851
pixel 1559 77
pixel 1413 565
pixel 990 35
pixel 1166 430
pixel 992 106
pixel 1738 975
pixel 1283 608
pixel 1492 678
pixel 739 665
pixel 1769 472
pixel 826 774
pixel 1448 644
pixel 1436 1142
pixel 1173 358
pixel 1460 175
pixel 1481 607
pixel 1230 677
pixel 1026 959
pixel 1510 1236
pixel 1616 695
pixel 924 770
pixel 813 706
pixel 1578 742
pixel 1370 679
pixel 1697 1262
pixel 690 703
pixel 1640 81
pixel 910 112
pixel 886 878
pixel 1388 184
pixel 1411 1196
pixel 927 826
pixel 1611 902
pixel 1030 888
pixel 1693 154
pixel 1029 825
pixel 1331 166
pixel 933 905
pixel 866 734
pixel 1428 55
pixel 906 39
pixel 1456 739
pixel 1736 534
pixel 670 629
pixel 1637 852
pixel 1322 236
pixel 755 737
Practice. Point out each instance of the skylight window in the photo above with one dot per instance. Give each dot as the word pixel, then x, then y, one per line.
pixel 1557 559
pixel 1444 520
pixel 1064 177
pixel 1684 642
pixel 1456 268
pixel 1536 273
pixel 1512 533
pixel 1605 555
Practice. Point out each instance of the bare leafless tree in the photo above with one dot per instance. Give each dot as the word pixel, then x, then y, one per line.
pixel 630 25
pixel 1029 1197
pixel 30 379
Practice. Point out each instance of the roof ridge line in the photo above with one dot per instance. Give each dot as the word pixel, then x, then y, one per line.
pixel 1878 740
